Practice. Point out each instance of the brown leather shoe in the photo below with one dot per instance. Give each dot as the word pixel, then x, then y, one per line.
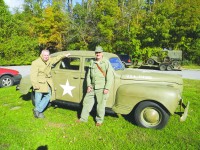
pixel 78 121
pixel 98 124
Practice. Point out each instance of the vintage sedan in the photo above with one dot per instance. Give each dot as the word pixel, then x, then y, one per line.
pixel 9 77
pixel 150 96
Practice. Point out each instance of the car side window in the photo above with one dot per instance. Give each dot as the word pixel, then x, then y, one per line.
pixel 72 63
pixel 87 63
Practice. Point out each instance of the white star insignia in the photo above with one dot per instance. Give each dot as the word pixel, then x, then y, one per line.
pixel 67 88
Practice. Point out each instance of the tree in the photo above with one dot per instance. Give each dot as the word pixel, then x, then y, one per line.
pixel 105 16
pixel 6 22
pixel 135 27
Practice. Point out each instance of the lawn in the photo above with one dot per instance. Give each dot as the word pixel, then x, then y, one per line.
pixel 192 66
pixel 59 131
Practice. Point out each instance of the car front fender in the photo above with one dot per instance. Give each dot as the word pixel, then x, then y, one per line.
pixel 25 85
pixel 129 95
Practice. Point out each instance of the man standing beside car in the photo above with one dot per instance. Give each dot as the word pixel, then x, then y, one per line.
pixel 99 81
pixel 42 81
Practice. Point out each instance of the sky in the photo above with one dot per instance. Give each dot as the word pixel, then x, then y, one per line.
pixel 18 3
pixel 14 4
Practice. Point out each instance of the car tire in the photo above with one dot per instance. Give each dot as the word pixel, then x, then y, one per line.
pixel 6 81
pixel 163 67
pixel 176 63
pixel 33 97
pixel 169 68
pixel 150 62
pixel 150 115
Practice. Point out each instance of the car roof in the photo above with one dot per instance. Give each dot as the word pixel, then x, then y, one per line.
pixel 83 53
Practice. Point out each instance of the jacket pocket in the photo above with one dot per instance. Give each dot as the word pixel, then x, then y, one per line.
pixel 41 80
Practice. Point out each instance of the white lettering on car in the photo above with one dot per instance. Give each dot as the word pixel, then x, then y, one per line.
pixel 140 77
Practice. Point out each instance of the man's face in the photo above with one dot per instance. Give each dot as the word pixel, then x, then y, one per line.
pixel 99 55
pixel 45 56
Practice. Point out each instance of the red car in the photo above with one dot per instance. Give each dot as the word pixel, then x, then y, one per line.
pixel 9 77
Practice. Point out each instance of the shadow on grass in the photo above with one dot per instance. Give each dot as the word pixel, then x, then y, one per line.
pixel 72 106
pixel 42 147
pixel 26 97
pixel 130 118
pixel 78 108
pixel 67 105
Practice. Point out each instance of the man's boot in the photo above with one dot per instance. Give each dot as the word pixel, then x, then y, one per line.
pixel 36 113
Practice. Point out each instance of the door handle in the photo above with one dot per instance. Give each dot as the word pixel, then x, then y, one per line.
pixel 75 77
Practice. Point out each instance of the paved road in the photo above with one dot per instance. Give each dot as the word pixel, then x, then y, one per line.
pixel 187 74
pixel 24 70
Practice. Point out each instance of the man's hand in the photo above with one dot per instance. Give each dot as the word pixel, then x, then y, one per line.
pixel 67 55
pixel 105 91
pixel 89 89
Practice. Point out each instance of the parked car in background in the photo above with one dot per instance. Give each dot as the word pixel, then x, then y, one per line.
pixel 9 77
pixel 151 96
pixel 126 59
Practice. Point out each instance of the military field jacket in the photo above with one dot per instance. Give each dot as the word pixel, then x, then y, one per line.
pixel 95 77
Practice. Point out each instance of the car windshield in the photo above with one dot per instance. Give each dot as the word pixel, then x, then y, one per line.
pixel 116 63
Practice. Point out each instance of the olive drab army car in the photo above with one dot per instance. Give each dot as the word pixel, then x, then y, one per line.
pixel 166 60
pixel 151 97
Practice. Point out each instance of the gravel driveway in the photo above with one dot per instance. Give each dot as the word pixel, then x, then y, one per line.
pixel 187 74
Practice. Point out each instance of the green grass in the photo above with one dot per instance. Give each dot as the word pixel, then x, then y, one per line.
pixel 58 131
pixel 192 66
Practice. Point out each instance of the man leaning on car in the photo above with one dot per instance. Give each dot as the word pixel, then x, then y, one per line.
pixel 42 81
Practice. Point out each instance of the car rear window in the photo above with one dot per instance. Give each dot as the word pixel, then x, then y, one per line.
pixel 124 57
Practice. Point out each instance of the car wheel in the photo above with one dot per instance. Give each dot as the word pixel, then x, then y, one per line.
pixel 169 67
pixel 150 61
pixel 176 63
pixel 163 67
pixel 6 81
pixel 33 97
pixel 150 115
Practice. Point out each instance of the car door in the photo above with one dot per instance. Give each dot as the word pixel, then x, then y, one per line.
pixel 67 79
pixel 86 63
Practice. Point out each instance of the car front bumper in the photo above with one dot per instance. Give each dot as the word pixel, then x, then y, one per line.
pixel 17 78
pixel 184 113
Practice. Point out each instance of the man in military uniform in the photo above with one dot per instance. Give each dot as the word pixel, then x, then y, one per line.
pixel 99 81
pixel 42 81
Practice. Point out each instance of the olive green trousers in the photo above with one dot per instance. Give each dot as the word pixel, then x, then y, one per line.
pixel 89 102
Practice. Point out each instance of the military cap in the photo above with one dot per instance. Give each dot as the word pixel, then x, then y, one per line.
pixel 98 49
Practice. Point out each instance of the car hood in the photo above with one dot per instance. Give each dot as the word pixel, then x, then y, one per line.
pixel 151 76
pixel 5 70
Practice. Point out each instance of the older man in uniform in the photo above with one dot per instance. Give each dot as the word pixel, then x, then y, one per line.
pixel 42 81
pixel 99 81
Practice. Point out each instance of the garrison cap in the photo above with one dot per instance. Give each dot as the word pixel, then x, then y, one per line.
pixel 98 49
